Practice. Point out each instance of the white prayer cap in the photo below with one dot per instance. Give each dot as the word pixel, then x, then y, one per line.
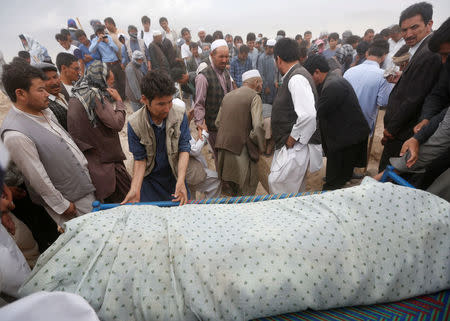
pixel 218 43
pixel 201 29
pixel 137 55
pixel 271 42
pixel 157 33
pixel 200 67
pixel 250 74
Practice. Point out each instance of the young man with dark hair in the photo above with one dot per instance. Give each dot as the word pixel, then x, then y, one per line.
pixel 33 137
pixel 70 71
pixel 114 32
pixel 217 35
pixel 169 33
pixel 146 33
pixel 64 41
pixel 369 83
pixel 253 52
pixel 395 41
pixel 293 123
pixel 185 51
pixel 333 39
pixel 158 137
pixel 85 43
pixel 240 64
pixel 368 35
pixel 344 130
pixel 413 84
pixel 195 60
pixel 237 43
pixel 299 38
pixel 307 36
pixel 104 45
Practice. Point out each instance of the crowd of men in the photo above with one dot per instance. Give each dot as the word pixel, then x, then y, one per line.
pixel 294 98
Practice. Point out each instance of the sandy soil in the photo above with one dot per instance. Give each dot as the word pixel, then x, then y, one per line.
pixel 314 181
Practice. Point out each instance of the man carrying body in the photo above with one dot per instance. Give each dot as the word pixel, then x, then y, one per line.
pixel 158 136
pixel 56 101
pixel 413 84
pixel 293 123
pixel 211 85
pixel 240 136
pixel 54 168
pixel 70 72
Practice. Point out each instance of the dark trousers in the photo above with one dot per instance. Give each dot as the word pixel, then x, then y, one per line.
pixel 212 142
pixel 391 149
pixel 119 79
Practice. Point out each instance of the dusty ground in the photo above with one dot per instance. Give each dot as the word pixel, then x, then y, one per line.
pixel 314 181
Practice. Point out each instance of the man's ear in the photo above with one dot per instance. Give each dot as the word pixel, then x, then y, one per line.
pixel 145 101
pixel 20 93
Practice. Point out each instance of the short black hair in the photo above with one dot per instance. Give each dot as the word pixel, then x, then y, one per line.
pixel 184 30
pixel 193 45
pixel 298 36
pixel 217 35
pixel 251 37
pixel 109 20
pixel 307 33
pixel 80 33
pixel 24 54
pixel 209 38
pixel 352 39
pixel 316 62
pixel 162 19
pixel 237 38
pixel 281 33
pixel 386 32
pixel 65 32
pixel 65 59
pixel 378 36
pixel 99 29
pixel 176 74
pixel 302 50
pixel 333 35
pixel 370 30
pixel 287 49
pixel 131 27
pixel 395 29
pixel 145 19
pixel 157 83
pixel 60 37
pixel 440 36
pixel 378 48
pixel 424 9
pixel 19 75
pixel 362 48
pixel 244 49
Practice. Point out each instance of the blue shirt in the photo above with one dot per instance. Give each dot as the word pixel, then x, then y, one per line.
pixel 160 184
pixel 85 51
pixel 107 51
pixel 134 46
pixel 237 68
pixel 329 53
pixel 370 87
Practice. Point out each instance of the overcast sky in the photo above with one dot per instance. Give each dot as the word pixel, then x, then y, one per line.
pixel 42 19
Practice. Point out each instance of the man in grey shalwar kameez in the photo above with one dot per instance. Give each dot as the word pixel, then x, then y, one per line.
pixel 134 77
pixel 268 70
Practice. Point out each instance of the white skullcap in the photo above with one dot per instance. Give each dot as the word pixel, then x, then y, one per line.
pixel 201 30
pixel 137 55
pixel 218 43
pixel 200 67
pixel 271 42
pixel 250 74
pixel 157 33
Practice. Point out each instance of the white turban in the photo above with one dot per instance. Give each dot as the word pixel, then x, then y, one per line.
pixel 157 33
pixel 271 42
pixel 218 43
pixel 250 74
pixel 137 55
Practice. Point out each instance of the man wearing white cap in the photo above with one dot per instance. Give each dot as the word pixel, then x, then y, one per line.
pixel 240 136
pixel 268 70
pixel 211 85
pixel 157 55
pixel 201 37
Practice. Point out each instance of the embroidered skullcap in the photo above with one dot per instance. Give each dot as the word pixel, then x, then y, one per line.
pixel 250 74
pixel 271 42
pixel 218 43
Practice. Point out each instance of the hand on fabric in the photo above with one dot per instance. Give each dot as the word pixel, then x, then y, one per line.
pixel 386 136
pixel 420 125
pixel 412 145
pixel 290 142
pixel 88 58
pixel 267 91
pixel 393 79
pixel 202 126
pixel 70 213
pixel 114 94
pixel 7 199
pixel 180 193
pixel 8 223
pixel 17 192
pixel 133 196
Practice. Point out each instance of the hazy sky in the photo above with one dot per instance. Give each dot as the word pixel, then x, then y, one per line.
pixel 42 19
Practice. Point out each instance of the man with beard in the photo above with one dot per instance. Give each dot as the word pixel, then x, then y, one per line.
pixel 131 45
pixel 161 52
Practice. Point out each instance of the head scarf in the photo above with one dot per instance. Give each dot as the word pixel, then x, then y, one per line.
pixel 38 53
pixel 92 85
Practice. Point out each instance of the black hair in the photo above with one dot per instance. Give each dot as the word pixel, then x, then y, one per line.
pixel 370 30
pixel 424 9
pixel 80 33
pixel 352 39
pixel 99 29
pixel 395 29
pixel 316 62
pixel 378 36
pixel 217 35
pixel 244 49
pixel 65 59
pixel 362 48
pixel 287 49
pixel 440 36
pixel 307 33
pixel 19 75
pixel 251 37
pixel 386 32
pixel 237 38
pixel 145 19
pixel 176 73
pixel 60 37
pixel 24 54
pixel 281 33
pixel 65 32
pixel 109 20
pixel 378 48
pixel 228 35
pixel 193 45
pixel 184 30
pixel 162 19
pixel 298 36
pixel 209 38
pixel 333 35
pixel 157 83
pixel 131 27
pixel 302 50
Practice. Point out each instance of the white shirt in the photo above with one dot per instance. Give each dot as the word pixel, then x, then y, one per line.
pixel 186 52
pixel 393 48
pixel 147 36
pixel 60 100
pixel 69 89
pixel 304 106
pixel 24 154
pixel 414 48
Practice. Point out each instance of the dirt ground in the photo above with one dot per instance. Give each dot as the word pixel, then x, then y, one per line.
pixel 314 181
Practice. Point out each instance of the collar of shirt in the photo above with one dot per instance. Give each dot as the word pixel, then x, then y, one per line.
pixel 215 69
pixel 414 48
pixel 371 62
pixel 153 124
pixel 282 78
pixel 46 112
pixel 60 99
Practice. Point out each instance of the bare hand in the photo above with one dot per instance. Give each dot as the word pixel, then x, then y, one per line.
pixel 17 192
pixel 276 84
pixel 8 223
pixel 412 145
pixel 133 196
pixel 87 58
pixel 114 94
pixel 386 136
pixel 70 213
pixel 203 126
pixel 290 142
pixel 420 125
pixel 393 79
pixel 7 199
pixel 180 194
pixel 267 91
